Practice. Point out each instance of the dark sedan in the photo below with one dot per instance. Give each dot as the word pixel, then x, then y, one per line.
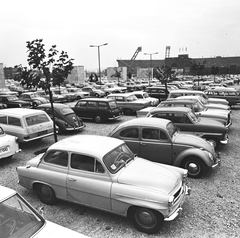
pixel 65 117
pixel 188 122
pixel 13 101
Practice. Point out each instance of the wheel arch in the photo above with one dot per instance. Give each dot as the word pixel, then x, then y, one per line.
pixel 201 154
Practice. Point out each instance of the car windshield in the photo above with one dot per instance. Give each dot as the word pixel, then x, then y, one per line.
pixel 113 104
pixel 18 219
pixel 198 107
pixel 171 128
pixel 66 111
pixel 145 95
pixel 12 98
pixel 118 158
pixel 193 117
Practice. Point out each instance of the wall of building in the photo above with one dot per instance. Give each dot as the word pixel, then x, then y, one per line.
pixel 77 75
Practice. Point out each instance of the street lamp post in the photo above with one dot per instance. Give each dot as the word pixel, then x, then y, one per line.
pixel 99 68
pixel 150 74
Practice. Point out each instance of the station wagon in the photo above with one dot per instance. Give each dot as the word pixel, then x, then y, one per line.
pixel 26 124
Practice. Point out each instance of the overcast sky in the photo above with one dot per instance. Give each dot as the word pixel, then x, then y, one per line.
pixel 205 28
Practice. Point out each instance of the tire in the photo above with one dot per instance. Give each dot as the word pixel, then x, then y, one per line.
pixel 127 111
pixel 195 166
pixel 46 194
pixel 96 95
pixel 147 220
pixel 98 119
pixel 35 104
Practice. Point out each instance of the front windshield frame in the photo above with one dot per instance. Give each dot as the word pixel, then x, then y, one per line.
pixel 171 129
pixel 193 117
pixel 117 158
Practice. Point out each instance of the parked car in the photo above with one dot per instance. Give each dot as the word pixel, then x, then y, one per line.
pixel 70 97
pixel 160 141
pixel 12 101
pixel 65 117
pixel 34 98
pixel 97 109
pixel 55 97
pixel 20 220
pixel 79 94
pixel 144 95
pixel 232 95
pixel 205 103
pixel 186 92
pixel 112 88
pixel 159 92
pixel 2 105
pixel 129 102
pixel 26 124
pixel 7 91
pixel 223 116
pixel 109 177
pixel 188 122
pixel 94 92
pixel 9 145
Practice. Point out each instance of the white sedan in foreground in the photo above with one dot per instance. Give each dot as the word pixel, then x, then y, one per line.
pixel 18 219
pixel 103 173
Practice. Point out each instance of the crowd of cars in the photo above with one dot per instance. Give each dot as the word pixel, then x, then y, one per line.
pixel 139 169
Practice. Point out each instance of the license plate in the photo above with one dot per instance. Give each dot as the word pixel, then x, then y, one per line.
pixel 40 133
pixel 4 149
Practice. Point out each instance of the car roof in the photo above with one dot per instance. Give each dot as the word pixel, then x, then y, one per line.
pixel 95 145
pixel 171 109
pixel 186 91
pixel 121 94
pixel 5 193
pixel 145 121
pixel 187 97
pixel 222 89
pixel 177 100
pixel 56 105
pixel 19 111
pixel 97 99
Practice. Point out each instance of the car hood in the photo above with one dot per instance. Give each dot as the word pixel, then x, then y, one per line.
pixel 151 176
pixel 192 140
pixel 218 106
pixel 214 113
pixel 56 231
pixel 209 123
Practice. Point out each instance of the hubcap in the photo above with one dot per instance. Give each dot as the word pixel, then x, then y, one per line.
pixel 193 168
pixel 146 218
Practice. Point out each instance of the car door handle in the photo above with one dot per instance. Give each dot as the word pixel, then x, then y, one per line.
pixel 142 143
pixel 71 179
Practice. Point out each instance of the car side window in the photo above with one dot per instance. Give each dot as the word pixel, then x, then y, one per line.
pixel 81 104
pixel 85 163
pixel 3 119
pixel 57 157
pixel 163 136
pixel 150 134
pixel 130 133
pixel 102 105
pixel 92 104
pixel 13 121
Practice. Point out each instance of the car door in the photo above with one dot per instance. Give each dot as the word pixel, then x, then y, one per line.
pixel 88 182
pixel 81 109
pixel 155 145
pixel 130 136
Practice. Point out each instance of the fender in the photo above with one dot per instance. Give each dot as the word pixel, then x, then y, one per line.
pixel 202 154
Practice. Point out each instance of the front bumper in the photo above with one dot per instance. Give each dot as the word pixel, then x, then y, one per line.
pixel 217 162
pixel 178 211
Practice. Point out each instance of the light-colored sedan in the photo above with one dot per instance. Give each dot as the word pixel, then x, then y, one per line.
pixel 8 145
pixel 103 173
pixel 18 219
pixel 144 95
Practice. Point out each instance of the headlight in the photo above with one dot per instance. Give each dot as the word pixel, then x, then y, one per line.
pixel 170 201
pixel 210 156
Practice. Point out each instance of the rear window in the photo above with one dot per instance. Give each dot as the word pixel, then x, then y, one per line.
pixel 66 111
pixel 37 119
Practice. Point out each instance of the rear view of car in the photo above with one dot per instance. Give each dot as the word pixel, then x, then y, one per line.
pixel 26 124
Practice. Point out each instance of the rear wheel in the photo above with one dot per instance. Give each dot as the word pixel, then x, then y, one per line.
pixel 97 119
pixel 147 220
pixel 46 194
pixel 194 165
pixel 127 111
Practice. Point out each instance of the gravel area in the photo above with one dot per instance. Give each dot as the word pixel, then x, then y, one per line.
pixel 212 210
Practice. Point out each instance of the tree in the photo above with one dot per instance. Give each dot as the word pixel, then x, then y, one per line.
pixel 214 71
pixel 117 74
pixel 45 70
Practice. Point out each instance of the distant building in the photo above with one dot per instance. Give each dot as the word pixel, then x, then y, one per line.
pixel 182 64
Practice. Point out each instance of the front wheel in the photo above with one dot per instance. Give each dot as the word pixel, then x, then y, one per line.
pixel 46 194
pixel 147 220
pixel 194 165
